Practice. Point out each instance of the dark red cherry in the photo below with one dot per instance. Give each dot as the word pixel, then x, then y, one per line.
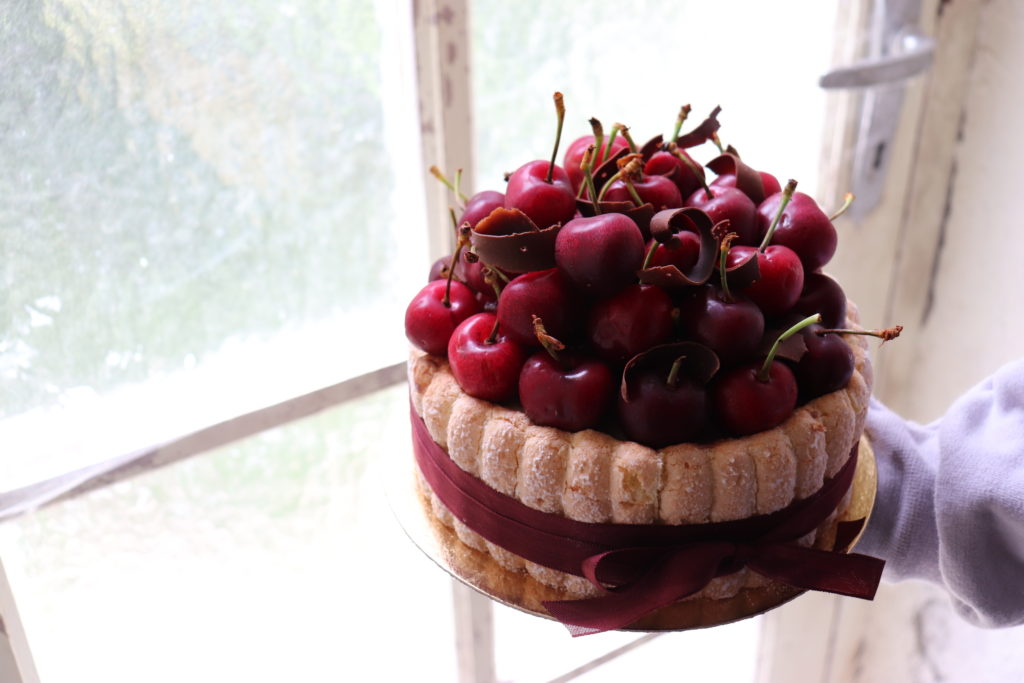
pixel 744 404
pixel 547 294
pixel 728 203
pixel 480 206
pixel 803 227
pixel 574 155
pixel 634 320
pixel 656 190
pixel 660 413
pixel 571 393
pixel 731 327
pixel 600 254
pixel 769 182
pixel 780 281
pixel 826 366
pixel 669 165
pixel 821 294
pixel 546 203
pixel 683 255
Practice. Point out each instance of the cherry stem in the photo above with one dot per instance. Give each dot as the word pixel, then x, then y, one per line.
pixel 649 256
pixel 888 334
pixel 588 177
pixel 629 138
pixel 462 241
pixel 690 164
pixel 560 110
pixel 723 256
pixel 611 138
pixel 718 143
pixel 598 130
pixel 436 172
pixel 763 373
pixel 684 111
pixel 847 201
pixel 673 373
pixel 787 194
pixel 549 343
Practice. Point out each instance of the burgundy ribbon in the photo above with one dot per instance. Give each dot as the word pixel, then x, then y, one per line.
pixel 641 568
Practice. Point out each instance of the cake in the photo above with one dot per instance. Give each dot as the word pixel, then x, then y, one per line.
pixel 627 346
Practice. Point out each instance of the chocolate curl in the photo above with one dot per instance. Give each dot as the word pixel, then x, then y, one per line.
pixel 664 226
pixel 641 215
pixel 700 363
pixel 651 146
pixel 608 168
pixel 748 181
pixel 702 133
pixel 509 240
pixel 744 273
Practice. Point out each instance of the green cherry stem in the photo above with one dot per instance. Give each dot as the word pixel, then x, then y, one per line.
pixel 684 111
pixel 436 172
pixel 673 373
pixel 888 334
pixel 649 256
pixel 787 194
pixel 588 178
pixel 718 143
pixel 611 139
pixel 847 202
pixel 560 111
pixel 463 240
pixel 629 138
pixel 458 187
pixel 762 374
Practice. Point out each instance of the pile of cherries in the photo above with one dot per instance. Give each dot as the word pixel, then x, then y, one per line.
pixel 623 292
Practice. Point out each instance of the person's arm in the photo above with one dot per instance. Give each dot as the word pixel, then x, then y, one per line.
pixel 950 505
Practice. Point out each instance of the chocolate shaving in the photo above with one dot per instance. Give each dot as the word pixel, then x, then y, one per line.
pixel 651 146
pixel 699 363
pixel 509 240
pixel 664 226
pixel 791 349
pixel 744 273
pixel 608 168
pixel 702 133
pixel 748 181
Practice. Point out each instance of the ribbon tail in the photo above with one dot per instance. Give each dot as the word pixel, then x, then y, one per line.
pixel 678 574
pixel 853 575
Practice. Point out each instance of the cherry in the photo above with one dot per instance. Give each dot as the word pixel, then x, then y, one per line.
pixel 439 268
pixel 667 164
pixel 683 255
pixel 802 226
pixel 825 367
pixel 485 363
pixel 758 396
pixel 656 190
pixel 480 206
pixel 781 277
pixel 563 390
pixel 603 150
pixel 600 254
pixel 664 408
pixel 545 293
pixel 728 203
pixel 768 181
pixel 821 294
pixel 780 281
pixel 435 312
pixel 542 190
pixel 730 325
pixel 633 320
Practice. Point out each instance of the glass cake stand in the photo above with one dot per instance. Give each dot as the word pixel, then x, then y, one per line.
pixel 521 591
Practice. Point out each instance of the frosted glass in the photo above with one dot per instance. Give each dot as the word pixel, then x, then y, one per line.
pixel 274 559
pixel 204 207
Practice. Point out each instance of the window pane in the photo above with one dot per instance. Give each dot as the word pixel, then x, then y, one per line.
pixel 638 64
pixel 276 559
pixel 196 195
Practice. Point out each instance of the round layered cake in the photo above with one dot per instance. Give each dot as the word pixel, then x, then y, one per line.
pixel 619 345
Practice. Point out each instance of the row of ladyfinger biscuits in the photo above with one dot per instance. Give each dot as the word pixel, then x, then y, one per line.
pixel 591 477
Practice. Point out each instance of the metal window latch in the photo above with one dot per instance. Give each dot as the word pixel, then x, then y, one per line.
pixel 898 51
